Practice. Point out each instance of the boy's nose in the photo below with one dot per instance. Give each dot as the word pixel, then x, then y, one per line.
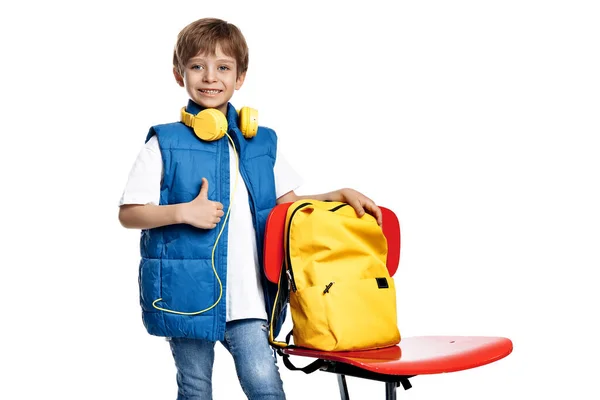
pixel 210 75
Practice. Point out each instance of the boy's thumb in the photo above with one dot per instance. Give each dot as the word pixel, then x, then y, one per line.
pixel 204 188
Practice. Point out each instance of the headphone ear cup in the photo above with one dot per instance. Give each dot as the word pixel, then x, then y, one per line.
pixel 248 122
pixel 210 124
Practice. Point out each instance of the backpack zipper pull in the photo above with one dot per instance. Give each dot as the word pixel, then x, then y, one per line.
pixel 291 279
pixel 327 287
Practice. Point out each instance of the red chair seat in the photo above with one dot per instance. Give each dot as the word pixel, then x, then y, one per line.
pixel 421 355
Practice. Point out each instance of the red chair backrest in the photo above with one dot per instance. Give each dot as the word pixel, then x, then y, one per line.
pixel 273 247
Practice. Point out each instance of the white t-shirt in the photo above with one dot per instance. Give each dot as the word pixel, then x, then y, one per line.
pixel 244 289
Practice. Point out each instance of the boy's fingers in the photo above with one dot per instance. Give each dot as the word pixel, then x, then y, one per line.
pixel 357 207
pixel 377 214
pixel 375 211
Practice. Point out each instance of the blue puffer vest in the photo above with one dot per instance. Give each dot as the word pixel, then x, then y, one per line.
pixel 176 259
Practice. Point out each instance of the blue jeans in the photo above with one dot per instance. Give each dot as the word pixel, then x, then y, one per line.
pixel 247 341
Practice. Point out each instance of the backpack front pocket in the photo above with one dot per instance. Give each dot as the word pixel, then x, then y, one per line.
pixel 347 315
pixel 362 313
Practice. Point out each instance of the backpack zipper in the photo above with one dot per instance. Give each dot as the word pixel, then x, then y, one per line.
pixel 334 209
pixel 289 271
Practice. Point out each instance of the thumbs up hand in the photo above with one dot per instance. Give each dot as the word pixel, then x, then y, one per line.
pixel 202 212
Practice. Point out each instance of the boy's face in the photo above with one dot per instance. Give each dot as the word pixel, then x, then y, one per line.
pixel 211 80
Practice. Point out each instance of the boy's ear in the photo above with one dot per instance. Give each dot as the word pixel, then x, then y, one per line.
pixel 240 81
pixel 178 77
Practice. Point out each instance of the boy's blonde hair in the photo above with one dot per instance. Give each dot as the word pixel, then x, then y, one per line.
pixel 203 36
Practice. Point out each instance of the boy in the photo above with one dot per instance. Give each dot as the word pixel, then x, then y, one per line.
pixel 201 277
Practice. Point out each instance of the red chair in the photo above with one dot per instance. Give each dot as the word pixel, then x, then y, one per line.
pixel 419 355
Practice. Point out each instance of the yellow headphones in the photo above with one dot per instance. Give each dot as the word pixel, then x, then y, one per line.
pixel 210 124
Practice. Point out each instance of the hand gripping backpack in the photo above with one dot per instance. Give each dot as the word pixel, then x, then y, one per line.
pixel 341 295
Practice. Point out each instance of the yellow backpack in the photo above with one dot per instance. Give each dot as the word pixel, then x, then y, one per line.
pixel 341 295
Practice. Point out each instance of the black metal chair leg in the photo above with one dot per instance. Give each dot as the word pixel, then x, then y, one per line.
pixel 390 390
pixel 343 387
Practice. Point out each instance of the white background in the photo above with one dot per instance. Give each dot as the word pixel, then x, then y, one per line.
pixel 476 121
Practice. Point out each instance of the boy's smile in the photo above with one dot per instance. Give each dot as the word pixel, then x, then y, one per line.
pixel 211 79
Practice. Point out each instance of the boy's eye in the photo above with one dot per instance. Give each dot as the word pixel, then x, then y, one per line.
pixel 224 68
pixel 197 67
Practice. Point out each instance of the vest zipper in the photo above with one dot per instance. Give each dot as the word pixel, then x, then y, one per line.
pixel 218 264
pixel 244 176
